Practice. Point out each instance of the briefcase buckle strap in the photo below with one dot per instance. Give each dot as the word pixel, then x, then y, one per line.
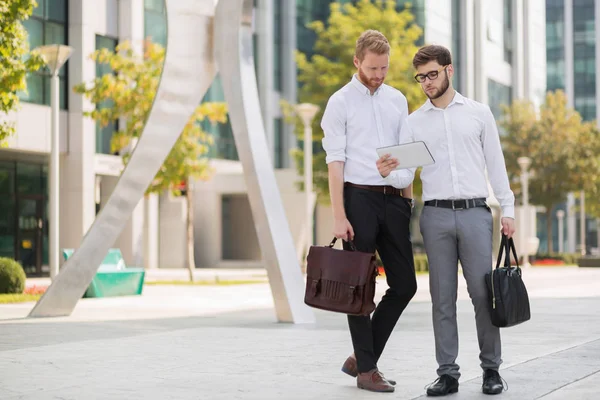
pixel 315 286
pixel 351 292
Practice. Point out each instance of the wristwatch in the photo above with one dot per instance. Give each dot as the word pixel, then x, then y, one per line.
pixel 411 201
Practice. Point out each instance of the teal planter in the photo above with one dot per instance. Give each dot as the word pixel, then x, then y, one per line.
pixel 113 277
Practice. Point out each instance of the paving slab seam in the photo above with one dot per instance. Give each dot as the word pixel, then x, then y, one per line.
pixel 540 358
pixel 568 384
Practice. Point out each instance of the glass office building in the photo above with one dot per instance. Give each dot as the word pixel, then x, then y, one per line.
pixel 572 31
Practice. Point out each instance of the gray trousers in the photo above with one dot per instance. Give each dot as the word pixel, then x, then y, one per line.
pixel 450 236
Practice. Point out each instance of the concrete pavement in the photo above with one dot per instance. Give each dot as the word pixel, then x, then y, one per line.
pixel 222 342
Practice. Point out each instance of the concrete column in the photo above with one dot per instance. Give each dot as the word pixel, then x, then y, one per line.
pixel 288 70
pixel 468 44
pixel 151 231
pixel 571 224
pixel 518 49
pixel 569 60
pixel 597 22
pixel 570 92
pixel 264 32
pixel 131 23
pixel 131 240
pixel 480 22
pixel 77 175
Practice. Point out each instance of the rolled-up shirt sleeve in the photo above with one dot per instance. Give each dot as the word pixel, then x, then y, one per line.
pixel 496 166
pixel 403 177
pixel 333 124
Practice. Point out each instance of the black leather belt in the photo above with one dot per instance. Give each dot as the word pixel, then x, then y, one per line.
pixel 457 204
pixel 375 188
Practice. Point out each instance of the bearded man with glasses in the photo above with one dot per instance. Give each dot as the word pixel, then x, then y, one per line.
pixel 456 222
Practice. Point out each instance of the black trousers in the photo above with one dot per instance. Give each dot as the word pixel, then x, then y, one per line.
pixel 381 222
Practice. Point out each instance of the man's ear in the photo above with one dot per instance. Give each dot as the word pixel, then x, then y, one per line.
pixel 450 69
pixel 356 62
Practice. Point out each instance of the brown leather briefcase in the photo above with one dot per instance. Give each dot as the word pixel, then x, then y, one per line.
pixel 340 280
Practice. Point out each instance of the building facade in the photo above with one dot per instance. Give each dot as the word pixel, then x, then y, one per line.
pixel 89 170
pixel 573 29
pixel 498 50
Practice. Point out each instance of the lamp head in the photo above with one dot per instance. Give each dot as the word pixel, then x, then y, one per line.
pixel 307 112
pixel 55 56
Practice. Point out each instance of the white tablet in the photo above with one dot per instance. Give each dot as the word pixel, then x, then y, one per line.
pixel 409 155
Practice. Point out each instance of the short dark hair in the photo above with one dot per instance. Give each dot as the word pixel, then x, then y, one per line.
pixel 432 52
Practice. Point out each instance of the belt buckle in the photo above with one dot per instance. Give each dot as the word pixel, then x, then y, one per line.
pixel 385 190
pixel 454 208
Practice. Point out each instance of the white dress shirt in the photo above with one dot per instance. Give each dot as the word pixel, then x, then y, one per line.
pixel 463 140
pixel 356 123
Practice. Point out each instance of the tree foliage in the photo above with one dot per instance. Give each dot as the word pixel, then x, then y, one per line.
pixel 128 94
pixel 565 151
pixel 15 58
pixel 332 65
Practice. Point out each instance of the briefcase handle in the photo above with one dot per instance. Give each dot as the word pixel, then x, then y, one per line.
pixel 350 242
pixel 507 245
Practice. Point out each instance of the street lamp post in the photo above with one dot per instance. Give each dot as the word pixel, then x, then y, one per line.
pixel 524 163
pixel 582 223
pixel 54 56
pixel 307 112
pixel 560 215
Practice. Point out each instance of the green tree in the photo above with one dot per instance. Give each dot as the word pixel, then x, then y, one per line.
pixel 564 151
pixel 332 66
pixel 128 93
pixel 15 59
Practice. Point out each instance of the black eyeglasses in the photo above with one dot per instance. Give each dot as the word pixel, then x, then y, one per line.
pixel 432 75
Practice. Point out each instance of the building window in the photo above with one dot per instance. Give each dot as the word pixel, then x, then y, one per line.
pixel 498 95
pixel 456 45
pixel 279 143
pixel 584 55
pixel 24 222
pixel 155 21
pixel 555 45
pixel 277 50
pixel 104 134
pixel 47 25
pixel 224 144
pixel 508 31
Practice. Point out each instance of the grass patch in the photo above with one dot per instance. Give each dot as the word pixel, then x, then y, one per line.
pixel 18 298
pixel 206 283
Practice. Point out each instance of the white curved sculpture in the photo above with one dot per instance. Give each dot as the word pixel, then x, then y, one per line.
pixel 189 69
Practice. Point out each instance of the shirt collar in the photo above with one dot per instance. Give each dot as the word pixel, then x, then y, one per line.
pixel 457 99
pixel 362 88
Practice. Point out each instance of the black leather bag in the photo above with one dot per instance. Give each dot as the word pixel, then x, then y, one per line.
pixel 341 281
pixel 508 298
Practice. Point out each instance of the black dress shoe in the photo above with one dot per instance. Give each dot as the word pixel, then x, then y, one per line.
pixel 444 385
pixel 492 383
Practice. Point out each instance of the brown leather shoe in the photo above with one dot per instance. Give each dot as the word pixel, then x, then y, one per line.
pixel 351 369
pixel 373 381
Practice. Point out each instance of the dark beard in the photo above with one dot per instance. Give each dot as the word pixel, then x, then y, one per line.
pixel 371 84
pixel 442 90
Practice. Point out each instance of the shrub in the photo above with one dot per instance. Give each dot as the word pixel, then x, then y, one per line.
pixel 12 276
pixel 567 258
pixel 421 263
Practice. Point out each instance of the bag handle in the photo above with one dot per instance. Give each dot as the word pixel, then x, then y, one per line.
pixel 507 245
pixel 350 242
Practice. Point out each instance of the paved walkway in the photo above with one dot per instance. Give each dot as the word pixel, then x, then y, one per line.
pixel 222 342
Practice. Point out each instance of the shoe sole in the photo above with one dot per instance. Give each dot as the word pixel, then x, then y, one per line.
pixel 434 394
pixel 390 390
pixel 492 391
pixel 348 372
